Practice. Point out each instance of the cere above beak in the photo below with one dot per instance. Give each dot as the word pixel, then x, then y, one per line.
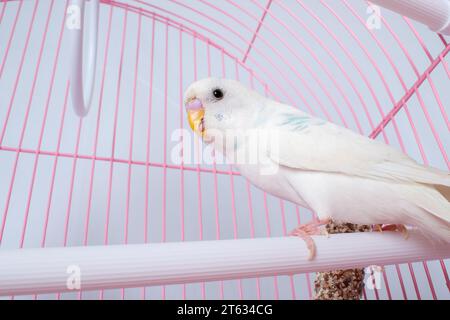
pixel 195 113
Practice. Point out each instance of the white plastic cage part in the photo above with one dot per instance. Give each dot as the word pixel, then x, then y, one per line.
pixel 82 89
pixel 109 178
pixel 129 266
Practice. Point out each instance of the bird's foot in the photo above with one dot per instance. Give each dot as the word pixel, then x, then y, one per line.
pixel 305 231
pixel 378 227
pixel 392 227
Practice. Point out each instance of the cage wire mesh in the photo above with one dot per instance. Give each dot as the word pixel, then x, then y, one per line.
pixel 110 178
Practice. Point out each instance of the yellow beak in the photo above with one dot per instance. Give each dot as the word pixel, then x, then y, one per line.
pixel 195 119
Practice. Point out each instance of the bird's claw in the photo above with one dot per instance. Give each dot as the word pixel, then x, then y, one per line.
pixel 305 231
pixel 393 227
pixel 378 227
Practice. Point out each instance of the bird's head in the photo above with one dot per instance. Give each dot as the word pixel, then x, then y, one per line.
pixel 214 104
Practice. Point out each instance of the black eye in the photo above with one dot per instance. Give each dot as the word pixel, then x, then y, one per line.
pixel 218 94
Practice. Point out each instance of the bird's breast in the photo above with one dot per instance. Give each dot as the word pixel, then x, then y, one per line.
pixel 275 183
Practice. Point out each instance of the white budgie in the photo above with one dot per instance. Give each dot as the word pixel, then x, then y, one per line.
pixel 333 171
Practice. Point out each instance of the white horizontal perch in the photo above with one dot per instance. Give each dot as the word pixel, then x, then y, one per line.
pixel 433 13
pixel 27 271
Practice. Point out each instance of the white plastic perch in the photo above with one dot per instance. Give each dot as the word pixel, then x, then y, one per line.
pixel 27 271
pixel 433 13
pixel 82 94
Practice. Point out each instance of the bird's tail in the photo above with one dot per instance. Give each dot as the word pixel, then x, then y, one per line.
pixel 432 214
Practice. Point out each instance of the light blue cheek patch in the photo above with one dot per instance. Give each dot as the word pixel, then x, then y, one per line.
pixel 297 122
pixel 219 116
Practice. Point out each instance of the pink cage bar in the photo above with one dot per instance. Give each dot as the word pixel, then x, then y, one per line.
pixel 110 177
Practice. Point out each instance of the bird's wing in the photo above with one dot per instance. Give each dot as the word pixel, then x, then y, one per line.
pixel 325 147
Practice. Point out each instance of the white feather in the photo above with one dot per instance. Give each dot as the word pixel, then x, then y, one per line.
pixel 331 170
